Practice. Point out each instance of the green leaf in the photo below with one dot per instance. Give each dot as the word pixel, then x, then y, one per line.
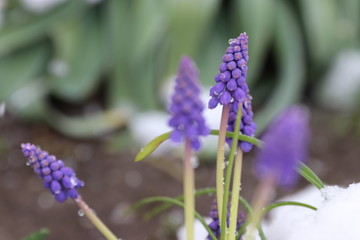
pixel 89 126
pixel 13 37
pixel 290 57
pixel 152 213
pixel 80 49
pixel 42 234
pixel 174 202
pixel 151 146
pixel 287 203
pixel 257 18
pixel 19 68
pixel 309 175
pixel 155 143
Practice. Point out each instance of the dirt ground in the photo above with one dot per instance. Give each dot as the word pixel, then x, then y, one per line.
pixel 114 181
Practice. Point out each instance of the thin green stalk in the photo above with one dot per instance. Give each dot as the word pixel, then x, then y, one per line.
pixel 223 227
pixel 220 164
pixel 89 213
pixel 261 198
pixel 235 194
pixel 189 201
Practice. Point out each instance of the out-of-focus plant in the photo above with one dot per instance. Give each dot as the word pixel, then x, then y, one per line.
pixel 102 59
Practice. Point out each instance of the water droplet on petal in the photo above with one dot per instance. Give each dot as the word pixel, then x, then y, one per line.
pixel 232 40
pixel 80 213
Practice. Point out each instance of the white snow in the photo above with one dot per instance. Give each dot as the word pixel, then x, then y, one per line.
pixel 40 6
pixel 337 217
pixel 200 232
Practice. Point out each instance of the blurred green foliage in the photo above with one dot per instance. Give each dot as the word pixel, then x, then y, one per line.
pixel 42 234
pixel 79 66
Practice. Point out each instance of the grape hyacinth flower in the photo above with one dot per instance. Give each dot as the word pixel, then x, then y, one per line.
pixel 231 88
pixel 232 92
pixel 188 124
pixel 285 145
pixel 186 107
pixel 214 225
pixel 59 179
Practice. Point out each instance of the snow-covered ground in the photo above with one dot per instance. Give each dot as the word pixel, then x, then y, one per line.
pixel 337 217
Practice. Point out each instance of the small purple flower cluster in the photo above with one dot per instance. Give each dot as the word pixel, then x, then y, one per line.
pixel 186 107
pixel 285 145
pixel 231 88
pixel 215 223
pixel 59 179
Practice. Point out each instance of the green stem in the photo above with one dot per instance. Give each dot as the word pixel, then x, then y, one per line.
pixel 220 164
pixel 261 198
pixel 223 227
pixel 189 201
pixel 235 194
pixel 89 213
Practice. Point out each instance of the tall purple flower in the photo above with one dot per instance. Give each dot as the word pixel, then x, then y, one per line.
pixel 214 225
pixel 285 145
pixel 186 107
pixel 59 179
pixel 231 88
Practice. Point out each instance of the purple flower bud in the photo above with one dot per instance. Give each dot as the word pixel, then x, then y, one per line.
pixel 52 172
pixel 48 178
pixel 223 67
pixel 45 171
pixel 285 145
pixel 213 103
pixel 225 76
pixel 236 73
pixel 228 57
pixel 57 175
pixel 72 193
pixel 230 49
pixel 55 187
pixel 187 121
pixel 61 197
pixel 231 85
pixel 239 95
pixel 218 88
pixel 231 65
pixel 225 98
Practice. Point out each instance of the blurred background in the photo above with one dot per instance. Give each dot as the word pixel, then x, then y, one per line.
pixel 83 78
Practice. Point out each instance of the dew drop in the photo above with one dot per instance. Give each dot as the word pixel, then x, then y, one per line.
pixel 80 213
pixel 28 163
pixel 195 162
pixel 232 40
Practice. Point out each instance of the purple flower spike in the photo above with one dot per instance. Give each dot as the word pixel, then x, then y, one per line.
pixel 285 145
pixel 233 70
pixel 186 107
pixel 60 180
pixel 215 223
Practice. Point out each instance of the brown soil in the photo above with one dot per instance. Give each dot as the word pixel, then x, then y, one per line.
pixel 114 181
